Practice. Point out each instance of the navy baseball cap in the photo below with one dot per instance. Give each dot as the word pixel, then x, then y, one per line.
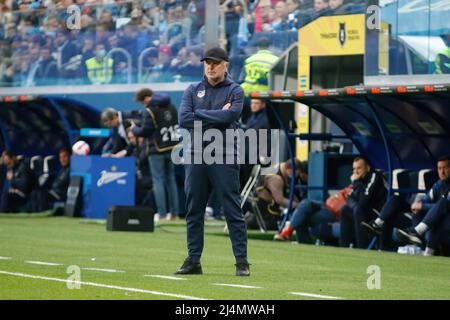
pixel 216 54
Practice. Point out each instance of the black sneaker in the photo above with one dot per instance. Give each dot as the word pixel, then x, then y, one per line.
pixel 372 227
pixel 190 267
pixel 242 269
pixel 410 235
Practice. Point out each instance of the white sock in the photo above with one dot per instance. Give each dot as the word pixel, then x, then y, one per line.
pixel 429 252
pixel 421 228
pixel 379 222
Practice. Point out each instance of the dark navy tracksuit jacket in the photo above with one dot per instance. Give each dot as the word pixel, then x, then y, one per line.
pixel 368 193
pixel 203 102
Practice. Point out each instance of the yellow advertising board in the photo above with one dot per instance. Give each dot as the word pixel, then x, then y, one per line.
pixel 326 36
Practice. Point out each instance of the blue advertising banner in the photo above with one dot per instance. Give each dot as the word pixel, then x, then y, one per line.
pixel 106 182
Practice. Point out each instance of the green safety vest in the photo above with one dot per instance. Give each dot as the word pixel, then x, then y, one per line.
pixel 442 62
pixel 99 72
pixel 257 69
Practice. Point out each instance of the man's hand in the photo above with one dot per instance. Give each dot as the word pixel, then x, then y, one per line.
pixel 107 155
pixel 227 106
pixel 354 177
pixel 416 207
pixel 9 175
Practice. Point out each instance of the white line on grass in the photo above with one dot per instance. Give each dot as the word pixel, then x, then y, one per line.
pixel 94 284
pixel 312 295
pixel 5 258
pixel 236 285
pixel 102 270
pixel 164 277
pixel 44 263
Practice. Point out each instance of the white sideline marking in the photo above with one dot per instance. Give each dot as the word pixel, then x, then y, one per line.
pixel 236 285
pixel 94 284
pixel 5 258
pixel 164 277
pixel 312 295
pixel 102 270
pixel 44 263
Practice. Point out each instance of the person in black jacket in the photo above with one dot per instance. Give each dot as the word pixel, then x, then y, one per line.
pixel 369 193
pixel 58 191
pixel 160 127
pixel 19 179
pixel 118 141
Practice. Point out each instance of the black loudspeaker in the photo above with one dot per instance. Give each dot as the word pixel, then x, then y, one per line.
pixel 128 218
pixel 74 202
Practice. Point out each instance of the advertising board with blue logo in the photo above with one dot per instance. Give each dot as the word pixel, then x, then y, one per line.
pixel 106 182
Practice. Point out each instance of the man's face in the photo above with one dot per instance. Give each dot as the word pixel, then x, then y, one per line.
pixel 6 160
pixel 443 168
pixel 257 105
pixel 64 158
pixel 45 54
pixel 320 5
pixel 164 57
pixel 60 38
pixel 360 168
pixel 113 42
pixel 281 9
pixel 215 70
pixel 34 54
pixel 265 10
pixel 113 123
pixel 335 3
pixel 291 5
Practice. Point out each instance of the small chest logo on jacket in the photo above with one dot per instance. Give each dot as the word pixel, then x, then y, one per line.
pixel 201 93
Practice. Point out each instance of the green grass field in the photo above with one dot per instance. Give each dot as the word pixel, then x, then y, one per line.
pixel 277 268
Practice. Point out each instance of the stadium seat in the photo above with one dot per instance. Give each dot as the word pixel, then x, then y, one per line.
pixel 48 172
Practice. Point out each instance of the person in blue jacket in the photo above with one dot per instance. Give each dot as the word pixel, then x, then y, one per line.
pixel 437 218
pixel 392 212
pixel 216 102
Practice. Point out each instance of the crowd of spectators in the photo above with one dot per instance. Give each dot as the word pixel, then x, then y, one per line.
pixel 44 43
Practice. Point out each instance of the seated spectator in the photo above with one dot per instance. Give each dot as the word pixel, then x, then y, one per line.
pixel 193 68
pixel 67 56
pixel 180 60
pixel 99 69
pixel 273 192
pixel 337 6
pixel 162 72
pixel 149 63
pixel 280 22
pixel 393 209
pixel 314 215
pixel 19 180
pixel 58 190
pixel 33 67
pixel 275 188
pixel 47 72
pixel 262 15
pixel 436 223
pixel 321 7
pixel 369 193
pixel 120 63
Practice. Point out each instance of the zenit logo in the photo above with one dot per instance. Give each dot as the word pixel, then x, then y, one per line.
pixel 108 177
